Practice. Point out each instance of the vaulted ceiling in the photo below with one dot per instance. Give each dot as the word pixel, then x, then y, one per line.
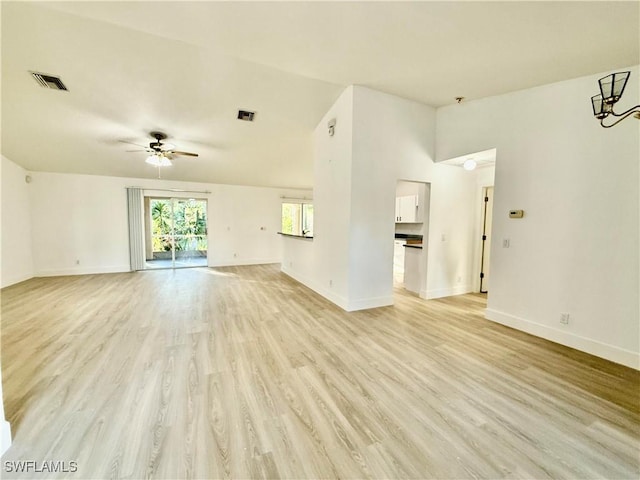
pixel 187 67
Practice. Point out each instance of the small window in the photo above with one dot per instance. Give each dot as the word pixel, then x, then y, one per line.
pixel 307 219
pixel 297 219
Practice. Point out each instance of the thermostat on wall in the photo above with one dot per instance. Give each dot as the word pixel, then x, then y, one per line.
pixel 516 213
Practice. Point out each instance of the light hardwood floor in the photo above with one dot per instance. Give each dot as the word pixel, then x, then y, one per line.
pixel 243 373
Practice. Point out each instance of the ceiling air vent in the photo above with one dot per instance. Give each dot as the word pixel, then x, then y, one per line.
pixel 49 81
pixel 246 115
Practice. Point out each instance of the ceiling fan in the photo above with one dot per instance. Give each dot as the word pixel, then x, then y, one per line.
pixel 161 154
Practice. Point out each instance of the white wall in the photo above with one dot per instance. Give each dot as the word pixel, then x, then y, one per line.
pixel 379 140
pixel 408 188
pixel 79 224
pixel 393 139
pixel 16 262
pixel 84 218
pixel 5 428
pixel 577 248
pixel 237 216
pixel 452 234
pixel 355 174
pixel 321 263
pixel 485 176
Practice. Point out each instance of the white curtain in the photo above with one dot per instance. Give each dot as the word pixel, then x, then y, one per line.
pixel 136 234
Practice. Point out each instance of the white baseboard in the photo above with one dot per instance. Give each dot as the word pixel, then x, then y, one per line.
pixel 366 303
pixel 328 294
pixel 236 262
pixel 14 280
pixel 593 347
pixel 445 292
pixel 84 271
pixel 342 302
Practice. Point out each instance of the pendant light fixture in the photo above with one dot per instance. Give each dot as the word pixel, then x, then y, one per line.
pixel 611 89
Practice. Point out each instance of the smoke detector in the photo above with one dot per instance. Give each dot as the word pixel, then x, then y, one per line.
pixel 49 81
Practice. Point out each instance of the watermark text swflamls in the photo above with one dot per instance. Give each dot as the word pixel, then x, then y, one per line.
pixel 46 466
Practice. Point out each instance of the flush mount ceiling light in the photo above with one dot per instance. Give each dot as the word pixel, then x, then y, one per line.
pixel 611 89
pixel 469 164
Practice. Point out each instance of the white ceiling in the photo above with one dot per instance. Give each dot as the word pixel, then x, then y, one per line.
pixel 486 158
pixel 186 68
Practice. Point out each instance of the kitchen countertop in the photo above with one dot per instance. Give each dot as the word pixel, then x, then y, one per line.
pixel 408 236
pixel 309 237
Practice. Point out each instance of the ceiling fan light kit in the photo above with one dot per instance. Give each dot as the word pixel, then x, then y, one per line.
pixel 158 160
pixel 160 154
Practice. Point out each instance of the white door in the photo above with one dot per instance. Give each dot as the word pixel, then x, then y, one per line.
pixel 486 239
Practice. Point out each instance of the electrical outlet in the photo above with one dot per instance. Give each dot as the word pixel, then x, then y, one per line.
pixel 235 255
pixel 331 283
pixel 78 262
pixel 459 279
pixel 506 243
pixel 564 318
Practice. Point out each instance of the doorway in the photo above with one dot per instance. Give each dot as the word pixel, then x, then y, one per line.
pixel 412 203
pixel 487 218
pixel 175 232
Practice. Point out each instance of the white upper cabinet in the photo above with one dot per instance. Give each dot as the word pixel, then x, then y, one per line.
pixel 407 209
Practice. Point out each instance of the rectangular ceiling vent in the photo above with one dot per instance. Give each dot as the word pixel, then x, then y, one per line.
pixel 49 81
pixel 246 115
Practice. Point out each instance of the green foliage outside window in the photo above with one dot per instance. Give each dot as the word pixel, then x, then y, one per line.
pixel 297 219
pixel 187 220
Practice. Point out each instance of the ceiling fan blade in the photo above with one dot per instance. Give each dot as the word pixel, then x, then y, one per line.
pixel 131 143
pixel 184 154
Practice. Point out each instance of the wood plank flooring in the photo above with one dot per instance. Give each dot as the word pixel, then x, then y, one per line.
pixel 242 372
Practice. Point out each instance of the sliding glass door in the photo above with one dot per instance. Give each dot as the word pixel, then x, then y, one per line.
pixel 176 232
